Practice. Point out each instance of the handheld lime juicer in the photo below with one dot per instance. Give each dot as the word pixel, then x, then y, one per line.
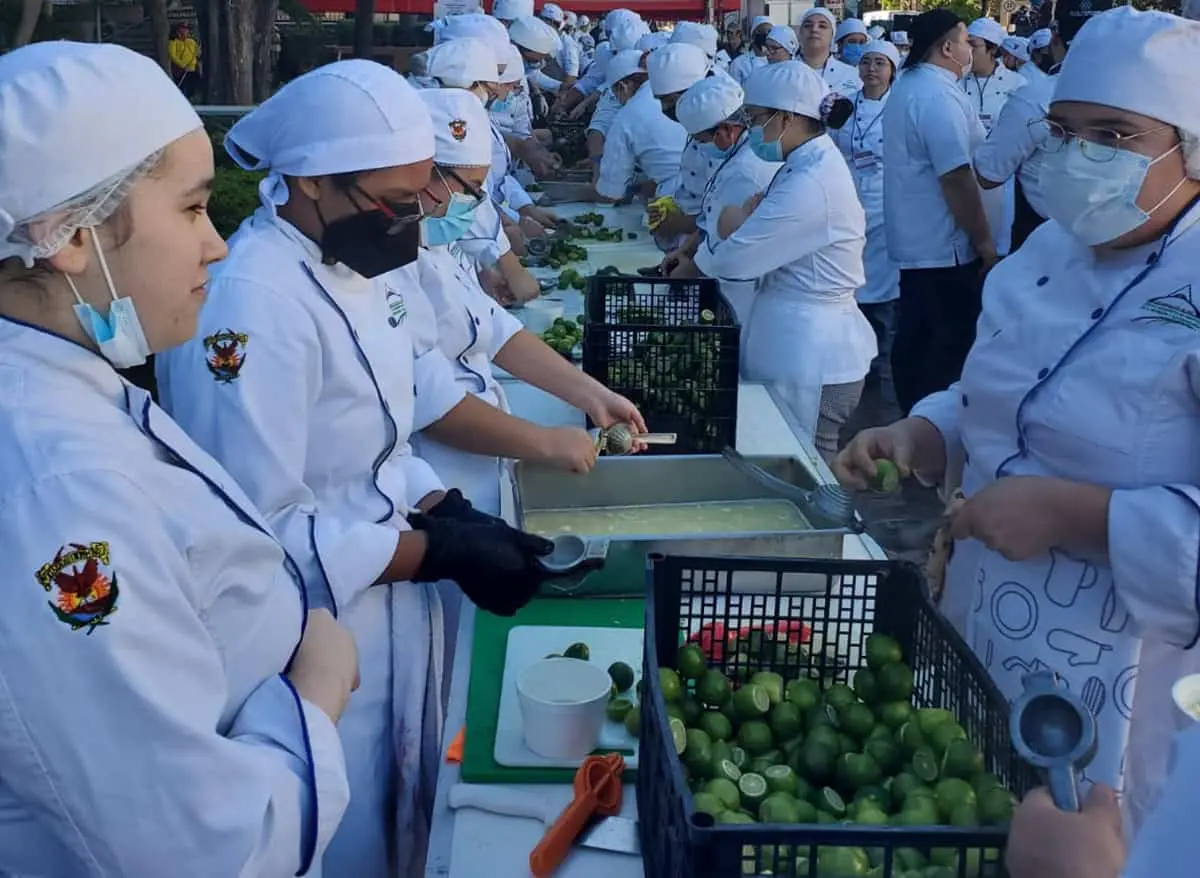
pixel 1055 733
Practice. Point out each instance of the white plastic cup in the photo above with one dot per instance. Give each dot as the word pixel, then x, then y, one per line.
pixel 1186 693
pixel 563 703
pixel 538 314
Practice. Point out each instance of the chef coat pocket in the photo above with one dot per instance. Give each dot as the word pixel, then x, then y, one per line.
pixel 1113 393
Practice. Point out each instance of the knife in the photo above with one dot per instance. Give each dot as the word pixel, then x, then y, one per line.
pixel 615 834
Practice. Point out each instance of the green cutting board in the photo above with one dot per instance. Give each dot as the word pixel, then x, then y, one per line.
pixel 487 673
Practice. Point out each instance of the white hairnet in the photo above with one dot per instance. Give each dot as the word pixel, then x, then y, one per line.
pixel 703 36
pixel 514 65
pixel 627 33
pixel 784 37
pixel 651 42
pixel 475 25
pixel 988 30
pixel 848 27
pixel 533 34
pixel 68 160
pixel 462 63
pixel 511 10
pixel 462 134
pixel 884 48
pixel 821 11
pixel 552 12
pixel 675 67
pixel 708 103
pixel 792 86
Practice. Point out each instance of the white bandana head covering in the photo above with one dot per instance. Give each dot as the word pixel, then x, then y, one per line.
pixel 462 63
pixel 792 86
pixel 785 37
pixel 1018 47
pixel 570 18
pixel 652 42
pixel 987 29
pixel 462 134
pixel 514 65
pixel 63 144
pixel 821 11
pixel 703 36
pixel 758 21
pixel 848 27
pixel 552 12
pixel 347 116
pixel 1040 39
pixel 708 103
pixel 619 16
pixel 534 35
pixel 475 25
pixel 900 37
pixel 876 31
pixel 884 48
pixel 622 65
pixel 675 67
pixel 627 33
pixel 511 10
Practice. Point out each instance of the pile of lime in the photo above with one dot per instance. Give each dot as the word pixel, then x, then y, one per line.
pixel 563 335
pixel 770 750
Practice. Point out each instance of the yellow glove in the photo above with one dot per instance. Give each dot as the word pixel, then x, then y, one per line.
pixel 661 209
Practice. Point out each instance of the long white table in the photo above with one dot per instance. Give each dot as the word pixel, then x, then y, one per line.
pixel 470 843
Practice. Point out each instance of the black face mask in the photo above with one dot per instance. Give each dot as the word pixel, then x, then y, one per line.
pixel 760 41
pixel 375 241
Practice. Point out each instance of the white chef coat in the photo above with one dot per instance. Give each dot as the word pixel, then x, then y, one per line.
pixel 1169 846
pixel 1086 369
pixel 1012 146
pixel 605 112
pixel 743 65
pixel 506 193
pixel 735 180
pixel 804 244
pixel 162 738
pixel 695 170
pixel 721 60
pixel 567 55
pixel 517 118
pixel 315 427
pixel 593 78
pixel 839 76
pixel 988 95
pixel 641 139
pixel 932 130
pixel 861 141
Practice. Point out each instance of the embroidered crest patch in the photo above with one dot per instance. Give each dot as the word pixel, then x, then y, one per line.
pixel 458 129
pixel 225 354
pixel 82 585
pixel 1175 307
pixel 397 310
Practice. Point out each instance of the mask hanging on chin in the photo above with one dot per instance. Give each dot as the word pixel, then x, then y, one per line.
pixel 371 243
pixel 119 337
pixel 438 231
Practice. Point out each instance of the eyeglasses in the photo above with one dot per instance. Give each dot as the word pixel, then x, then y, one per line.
pixel 1098 144
pixel 467 188
pixel 758 120
pixel 400 215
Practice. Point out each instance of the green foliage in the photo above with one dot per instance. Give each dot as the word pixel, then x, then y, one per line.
pixel 967 10
pixel 234 197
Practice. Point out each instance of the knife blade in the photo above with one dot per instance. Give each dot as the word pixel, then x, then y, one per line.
pixel 613 834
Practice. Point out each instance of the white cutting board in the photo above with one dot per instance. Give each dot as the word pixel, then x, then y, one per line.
pixel 528 644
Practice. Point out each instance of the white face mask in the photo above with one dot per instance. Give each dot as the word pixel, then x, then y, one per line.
pixel 119 337
pixel 1097 201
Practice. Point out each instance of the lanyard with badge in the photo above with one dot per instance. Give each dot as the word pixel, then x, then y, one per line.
pixel 985 118
pixel 711 185
pixel 861 157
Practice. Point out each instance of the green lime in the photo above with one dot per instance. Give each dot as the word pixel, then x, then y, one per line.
pixel 707 803
pixel 721 749
pixel 823 817
pixel 760 764
pixel 846 744
pixel 671 685
pixel 895 714
pixel 984 782
pixel 678 735
pixel 716 725
pixel 924 765
pixel 707 316
pixel 886 753
pixel 578 651
pixel 883 650
pixel 690 710
pixel 929 718
pixel 874 795
pixel 953 792
pixel 786 722
pixel 839 696
pixel 842 862
pixel 820 716
pixel 675 709
pixel 818 761
pixel 550 655
pixel 691 662
pixel 726 769
pixel 944 735
pixel 918 798
pixel 910 858
pixel 753 788
pixel 856 770
pixel 791 746
pixel 633 723
pixel 829 801
pixel 911 737
pixel 751 702
pixel 735 817
pixel 739 757
pixel 617 708
pixel 712 688
pixel 961 759
pixel 995 806
pixel 871 814
pixel 826 736
pixel 904 783
pixel 886 478
pixel 771 683
pixel 965 815
pixel 866 686
pixel 697 755
pixel 895 682
pixel 805 693
pixel 856 720
pixel 755 737
pixel 781 779
pixel 779 808
pixel 622 676
pixel 726 792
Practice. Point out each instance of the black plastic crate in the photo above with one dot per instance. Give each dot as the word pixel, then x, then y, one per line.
pixel 857 599
pixel 569 140
pixel 671 346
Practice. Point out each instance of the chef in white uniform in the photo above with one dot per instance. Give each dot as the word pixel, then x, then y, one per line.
pixel 169 704
pixel 1014 54
pixel 1039 49
pixel 624 40
pixel 851 35
pixel 565 58
pixel 712 113
pixel 899 39
pixel 755 56
pixel 315 420
pixel 1075 422
pixel 642 139
pixel 516 120
pixel 803 240
pixel 782 44
pixel 861 140
pixel 816 46
pixel 673 69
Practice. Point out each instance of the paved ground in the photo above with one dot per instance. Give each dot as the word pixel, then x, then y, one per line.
pixel 902 523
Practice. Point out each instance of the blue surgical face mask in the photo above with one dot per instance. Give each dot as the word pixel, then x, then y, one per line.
pixel 501 105
pixel 119 336
pixel 712 152
pixel 767 150
pixel 438 231
pixel 532 67
pixel 852 52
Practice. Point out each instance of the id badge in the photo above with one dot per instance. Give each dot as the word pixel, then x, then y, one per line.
pixel 865 160
pixel 986 121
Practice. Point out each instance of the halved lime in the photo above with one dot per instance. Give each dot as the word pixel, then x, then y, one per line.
pixel 739 757
pixel 707 316
pixel 578 651
pixel 727 770
pixel 751 702
pixel 678 735
pixel 772 683
pixel 753 788
pixel 829 801
pixel 781 779
pixel 924 765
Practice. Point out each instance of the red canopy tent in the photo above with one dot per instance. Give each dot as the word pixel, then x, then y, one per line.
pixel 648 9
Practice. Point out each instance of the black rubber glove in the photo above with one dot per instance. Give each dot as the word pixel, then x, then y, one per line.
pixel 457 507
pixel 496 567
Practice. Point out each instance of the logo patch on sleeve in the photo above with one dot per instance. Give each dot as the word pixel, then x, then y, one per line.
pixel 82 585
pixel 225 354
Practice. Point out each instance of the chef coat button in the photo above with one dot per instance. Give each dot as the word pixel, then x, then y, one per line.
pixel 476 321
pixel 965 402
pixel 1098 313
pixel 414 390
pixel 1021 444
pixel 1042 281
pixel 1042 373
pixel 1152 258
pixel 966 457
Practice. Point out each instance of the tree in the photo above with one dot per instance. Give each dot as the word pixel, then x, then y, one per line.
pixel 967 10
pixel 160 30
pixel 364 27
pixel 31 11
pixel 237 49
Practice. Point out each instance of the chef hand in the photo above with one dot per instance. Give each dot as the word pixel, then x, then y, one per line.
pixel 1020 517
pixel 685 268
pixel 543 163
pixel 455 506
pixel 324 670
pixel 539 215
pixel 495 567
pixel 987 259
pixel 494 284
pixel 569 448
pixel 531 228
pixel 1045 842
pixel 855 464
pixel 608 408
pixel 671 261
pixel 522 286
